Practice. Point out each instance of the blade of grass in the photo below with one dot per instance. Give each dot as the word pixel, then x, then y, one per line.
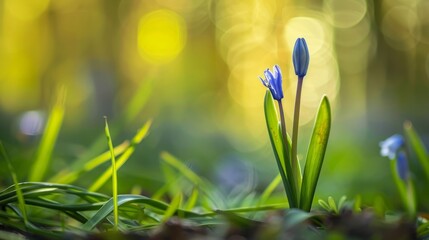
pixel 107 209
pixel 49 138
pixel 192 200
pixel 114 175
pixel 141 134
pixel 270 189
pixel 138 101
pixel 19 195
pixel 418 146
pixel 67 176
pixel 189 174
pixel 282 159
pixel 211 192
pixel 172 208
pixel 315 154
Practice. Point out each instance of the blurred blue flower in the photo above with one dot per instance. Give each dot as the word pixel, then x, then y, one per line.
pixel 391 146
pixel 301 57
pixel 402 165
pixel 273 81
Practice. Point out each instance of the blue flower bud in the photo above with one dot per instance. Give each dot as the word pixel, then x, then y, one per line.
pixel 273 81
pixel 301 57
pixel 391 146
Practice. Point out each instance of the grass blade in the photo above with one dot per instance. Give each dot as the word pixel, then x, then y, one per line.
pixel 214 197
pixel 315 154
pixel 49 138
pixel 192 200
pixel 172 208
pixel 114 175
pixel 270 189
pixel 141 134
pixel 70 175
pixel 418 146
pixel 189 174
pixel 282 159
pixel 107 208
pixel 19 195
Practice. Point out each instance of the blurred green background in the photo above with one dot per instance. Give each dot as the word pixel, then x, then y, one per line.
pixel 193 65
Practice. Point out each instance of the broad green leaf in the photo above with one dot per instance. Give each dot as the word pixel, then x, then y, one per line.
pixel 315 154
pixel 49 138
pixel 282 159
pixel 418 146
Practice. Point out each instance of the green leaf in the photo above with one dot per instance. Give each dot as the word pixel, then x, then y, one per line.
pixel 107 209
pixel 341 202
pixel 315 154
pixel 19 195
pixel 357 204
pixel 49 138
pixel 324 205
pixel 269 190
pixel 73 173
pixel 295 217
pixel 274 131
pixel 114 174
pixel 141 134
pixel 418 146
pixel 332 204
pixel 174 205
pixel 282 159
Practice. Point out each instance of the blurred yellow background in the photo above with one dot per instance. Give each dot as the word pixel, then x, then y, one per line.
pixel 193 66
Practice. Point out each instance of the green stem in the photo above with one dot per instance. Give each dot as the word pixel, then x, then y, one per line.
pixel 294 157
pixel 283 123
pixel 293 198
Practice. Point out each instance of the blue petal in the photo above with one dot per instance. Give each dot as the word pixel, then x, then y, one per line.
pixel 273 81
pixel 391 146
pixel 402 165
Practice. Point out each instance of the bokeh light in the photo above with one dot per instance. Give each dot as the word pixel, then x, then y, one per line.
pixel 161 36
pixel 345 14
pixel 31 123
pixel 26 9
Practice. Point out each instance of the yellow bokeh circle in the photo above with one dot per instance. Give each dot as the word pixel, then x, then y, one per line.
pixel 161 36
pixel 26 9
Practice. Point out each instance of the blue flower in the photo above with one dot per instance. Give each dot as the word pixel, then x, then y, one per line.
pixel 273 81
pixel 391 146
pixel 301 57
pixel 402 165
